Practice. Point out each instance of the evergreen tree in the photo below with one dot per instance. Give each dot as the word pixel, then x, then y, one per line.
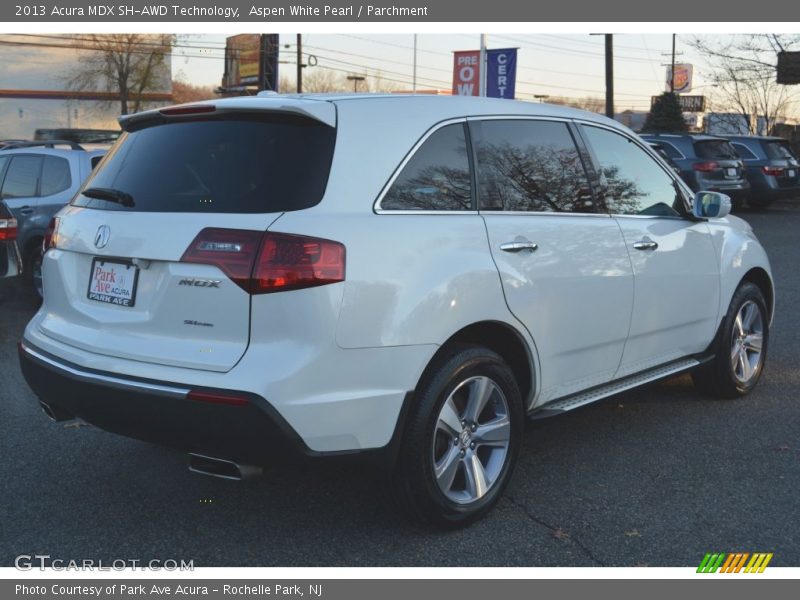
pixel 665 116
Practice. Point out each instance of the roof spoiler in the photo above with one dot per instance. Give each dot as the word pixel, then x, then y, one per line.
pixel 322 111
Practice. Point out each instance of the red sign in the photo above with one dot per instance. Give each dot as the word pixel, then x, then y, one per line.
pixel 466 73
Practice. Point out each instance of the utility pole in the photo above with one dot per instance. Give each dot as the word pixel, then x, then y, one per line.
pixel 672 68
pixel 414 79
pixel 299 63
pixel 482 85
pixel 609 76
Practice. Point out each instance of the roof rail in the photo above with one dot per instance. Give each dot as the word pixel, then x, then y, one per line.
pixel 45 144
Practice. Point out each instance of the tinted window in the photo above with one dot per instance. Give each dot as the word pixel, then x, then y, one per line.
pixel 778 149
pixel 531 166
pixel 437 176
pixel 670 150
pixel 715 149
pixel 744 152
pixel 22 177
pixel 55 175
pixel 633 183
pixel 241 164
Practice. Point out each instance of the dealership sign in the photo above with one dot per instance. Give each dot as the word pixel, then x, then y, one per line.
pixel 687 103
pixel 682 80
pixel 501 73
pixel 466 73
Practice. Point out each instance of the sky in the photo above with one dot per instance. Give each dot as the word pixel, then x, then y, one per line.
pixel 554 65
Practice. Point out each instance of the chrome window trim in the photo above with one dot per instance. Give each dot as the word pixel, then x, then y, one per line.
pixel 532 213
pixel 115 382
pixel 376 206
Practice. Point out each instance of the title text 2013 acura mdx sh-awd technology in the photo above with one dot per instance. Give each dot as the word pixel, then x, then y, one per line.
pixel 410 277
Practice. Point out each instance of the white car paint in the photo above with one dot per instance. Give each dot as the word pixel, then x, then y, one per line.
pixel 336 361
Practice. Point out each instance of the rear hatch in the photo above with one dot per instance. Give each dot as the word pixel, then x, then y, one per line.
pixel 718 163
pixel 782 163
pixel 152 259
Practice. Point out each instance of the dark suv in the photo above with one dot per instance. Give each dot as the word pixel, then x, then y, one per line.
pixel 706 163
pixel 771 168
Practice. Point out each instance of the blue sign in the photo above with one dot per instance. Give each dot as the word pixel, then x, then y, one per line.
pixel 501 73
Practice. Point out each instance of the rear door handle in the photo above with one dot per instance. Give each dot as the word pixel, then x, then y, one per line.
pixel 26 210
pixel 645 244
pixel 518 246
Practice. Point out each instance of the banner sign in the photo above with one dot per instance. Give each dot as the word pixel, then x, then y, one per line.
pixel 501 73
pixel 683 78
pixel 466 73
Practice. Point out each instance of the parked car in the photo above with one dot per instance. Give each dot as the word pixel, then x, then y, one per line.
pixel 706 163
pixel 404 277
pixel 663 154
pixel 36 180
pixel 10 262
pixel 771 168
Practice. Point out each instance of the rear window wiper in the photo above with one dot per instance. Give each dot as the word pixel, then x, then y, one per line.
pixel 123 198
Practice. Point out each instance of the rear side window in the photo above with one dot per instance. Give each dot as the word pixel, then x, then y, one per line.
pixel 531 166
pixel 22 177
pixel 744 152
pixel 715 149
pixel 670 150
pixel 234 164
pixel 55 175
pixel 778 149
pixel 436 177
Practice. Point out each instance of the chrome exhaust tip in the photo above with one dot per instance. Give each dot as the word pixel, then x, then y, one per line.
pixel 55 414
pixel 219 467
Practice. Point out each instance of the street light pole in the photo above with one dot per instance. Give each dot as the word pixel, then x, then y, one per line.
pixel 299 63
pixel 609 76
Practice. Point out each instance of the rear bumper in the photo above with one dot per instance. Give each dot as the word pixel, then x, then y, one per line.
pixel 160 412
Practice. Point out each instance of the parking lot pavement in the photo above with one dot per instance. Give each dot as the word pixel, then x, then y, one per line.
pixel 657 477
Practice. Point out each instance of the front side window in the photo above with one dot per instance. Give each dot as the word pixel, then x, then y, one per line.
pixel 531 166
pixel 22 177
pixel 633 183
pixel 437 177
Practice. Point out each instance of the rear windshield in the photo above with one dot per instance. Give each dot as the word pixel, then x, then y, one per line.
pixel 233 164
pixel 778 149
pixel 715 149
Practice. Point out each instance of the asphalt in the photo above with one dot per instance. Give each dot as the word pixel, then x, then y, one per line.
pixel 653 477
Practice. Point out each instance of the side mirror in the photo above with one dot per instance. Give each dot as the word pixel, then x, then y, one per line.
pixel 711 205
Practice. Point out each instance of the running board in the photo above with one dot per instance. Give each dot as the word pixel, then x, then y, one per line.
pixel 562 405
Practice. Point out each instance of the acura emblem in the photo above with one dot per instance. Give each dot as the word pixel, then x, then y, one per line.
pixel 102 235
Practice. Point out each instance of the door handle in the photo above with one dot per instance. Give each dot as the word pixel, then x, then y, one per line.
pixel 518 246
pixel 26 210
pixel 645 244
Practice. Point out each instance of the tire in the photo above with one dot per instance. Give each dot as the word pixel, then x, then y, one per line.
pixel 738 358
pixel 443 436
pixel 32 268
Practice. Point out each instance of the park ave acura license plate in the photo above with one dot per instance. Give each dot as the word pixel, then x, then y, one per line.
pixel 113 282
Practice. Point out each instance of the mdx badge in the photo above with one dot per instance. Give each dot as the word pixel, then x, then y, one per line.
pixel 207 283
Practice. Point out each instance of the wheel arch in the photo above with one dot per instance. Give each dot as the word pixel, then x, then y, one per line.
pixel 761 279
pixel 506 341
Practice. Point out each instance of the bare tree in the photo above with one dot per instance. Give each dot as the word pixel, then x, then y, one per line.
pixel 742 70
pixel 597 105
pixel 183 91
pixel 127 64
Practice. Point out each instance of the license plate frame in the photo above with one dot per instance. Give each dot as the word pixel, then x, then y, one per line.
pixel 112 296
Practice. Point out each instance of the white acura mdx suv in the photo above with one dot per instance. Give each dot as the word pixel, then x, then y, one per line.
pixel 404 276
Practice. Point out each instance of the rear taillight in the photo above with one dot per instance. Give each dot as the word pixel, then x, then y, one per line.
pixel 705 166
pixel 51 235
pixel 262 263
pixel 8 230
pixel 776 171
